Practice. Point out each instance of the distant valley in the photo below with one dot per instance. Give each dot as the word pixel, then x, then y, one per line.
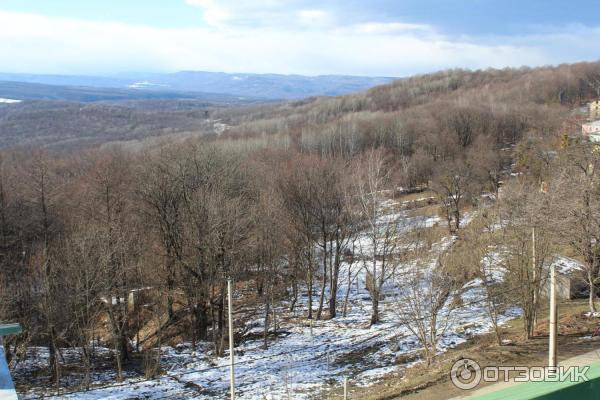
pixel 252 86
pixel 66 112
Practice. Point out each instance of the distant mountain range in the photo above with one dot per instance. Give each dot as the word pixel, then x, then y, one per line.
pixel 24 91
pixel 191 84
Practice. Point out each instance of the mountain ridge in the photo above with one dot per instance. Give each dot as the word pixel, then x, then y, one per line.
pixel 269 86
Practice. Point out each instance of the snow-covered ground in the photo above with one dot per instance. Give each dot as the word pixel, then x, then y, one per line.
pixel 9 101
pixel 144 85
pixel 566 265
pixel 302 364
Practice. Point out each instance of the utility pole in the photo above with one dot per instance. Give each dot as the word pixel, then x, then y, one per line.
pixel 345 388
pixel 535 277
pixel 552 319
pixel 287 382
pixel 231 357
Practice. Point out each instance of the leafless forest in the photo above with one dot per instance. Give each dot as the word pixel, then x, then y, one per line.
pixel 277 202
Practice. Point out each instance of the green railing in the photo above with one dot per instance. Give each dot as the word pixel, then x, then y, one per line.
pixel 10 329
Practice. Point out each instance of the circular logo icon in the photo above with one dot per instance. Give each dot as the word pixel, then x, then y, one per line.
pixel 465 374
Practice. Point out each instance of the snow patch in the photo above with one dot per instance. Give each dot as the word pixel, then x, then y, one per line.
pixel 566 265
pixel 145 85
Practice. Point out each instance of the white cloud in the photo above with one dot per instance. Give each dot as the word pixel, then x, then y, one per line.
pixel 391 27
pixel 39 44
pixel 230 13
pixel 213 13
pixel 313 15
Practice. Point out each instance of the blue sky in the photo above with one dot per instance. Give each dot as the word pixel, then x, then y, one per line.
pixel 366 37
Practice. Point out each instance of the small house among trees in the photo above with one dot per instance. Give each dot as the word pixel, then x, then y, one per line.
pixel 570 280
pixel 591 131
pixel 594 109
pixel 590 128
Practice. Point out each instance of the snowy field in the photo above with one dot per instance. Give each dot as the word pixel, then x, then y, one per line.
pixel 298 364
pixel 9 101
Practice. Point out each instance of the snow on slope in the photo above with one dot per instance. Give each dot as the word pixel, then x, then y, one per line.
pixel 566 265
pixel 344 346
pixel 9 101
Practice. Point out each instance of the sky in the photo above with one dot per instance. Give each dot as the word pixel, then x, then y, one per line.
pixel 350 37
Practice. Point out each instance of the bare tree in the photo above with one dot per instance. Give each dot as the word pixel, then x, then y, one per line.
pixel 456 185
pixel 43 185
pixel 482 249
pixel 575 198
pixel 522 210
pixel 267 251
pixel 163 194
pixel 216 200
pixel 382 231
pixel 83 259
pixel 294 187
pixel 111 210
pixel 424 303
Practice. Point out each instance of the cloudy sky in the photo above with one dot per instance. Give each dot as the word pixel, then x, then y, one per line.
pixel 358 37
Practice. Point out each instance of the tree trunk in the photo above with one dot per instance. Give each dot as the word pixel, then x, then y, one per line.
pixel 53 362
pixel 124 345
pixel 347 295
pixel 294 295
pixel 194 316
pixel 310 291
pixel 220 324
pixel 374 289
pixel 456 219
pixel 334 280
pixel 323 284
pixel 375 311
pixel 266 330
pixel 170 285
pixel 201 321
pixel 117 347
pixel 592 296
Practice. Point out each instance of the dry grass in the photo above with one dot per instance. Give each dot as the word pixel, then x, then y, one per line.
pixel 432 383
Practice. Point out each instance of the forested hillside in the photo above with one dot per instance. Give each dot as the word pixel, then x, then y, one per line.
pixel 429 118
pixel 66 126
pixel 376 217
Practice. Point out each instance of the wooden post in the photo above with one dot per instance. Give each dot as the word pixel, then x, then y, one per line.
pixel 552 319
pixel 231 356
